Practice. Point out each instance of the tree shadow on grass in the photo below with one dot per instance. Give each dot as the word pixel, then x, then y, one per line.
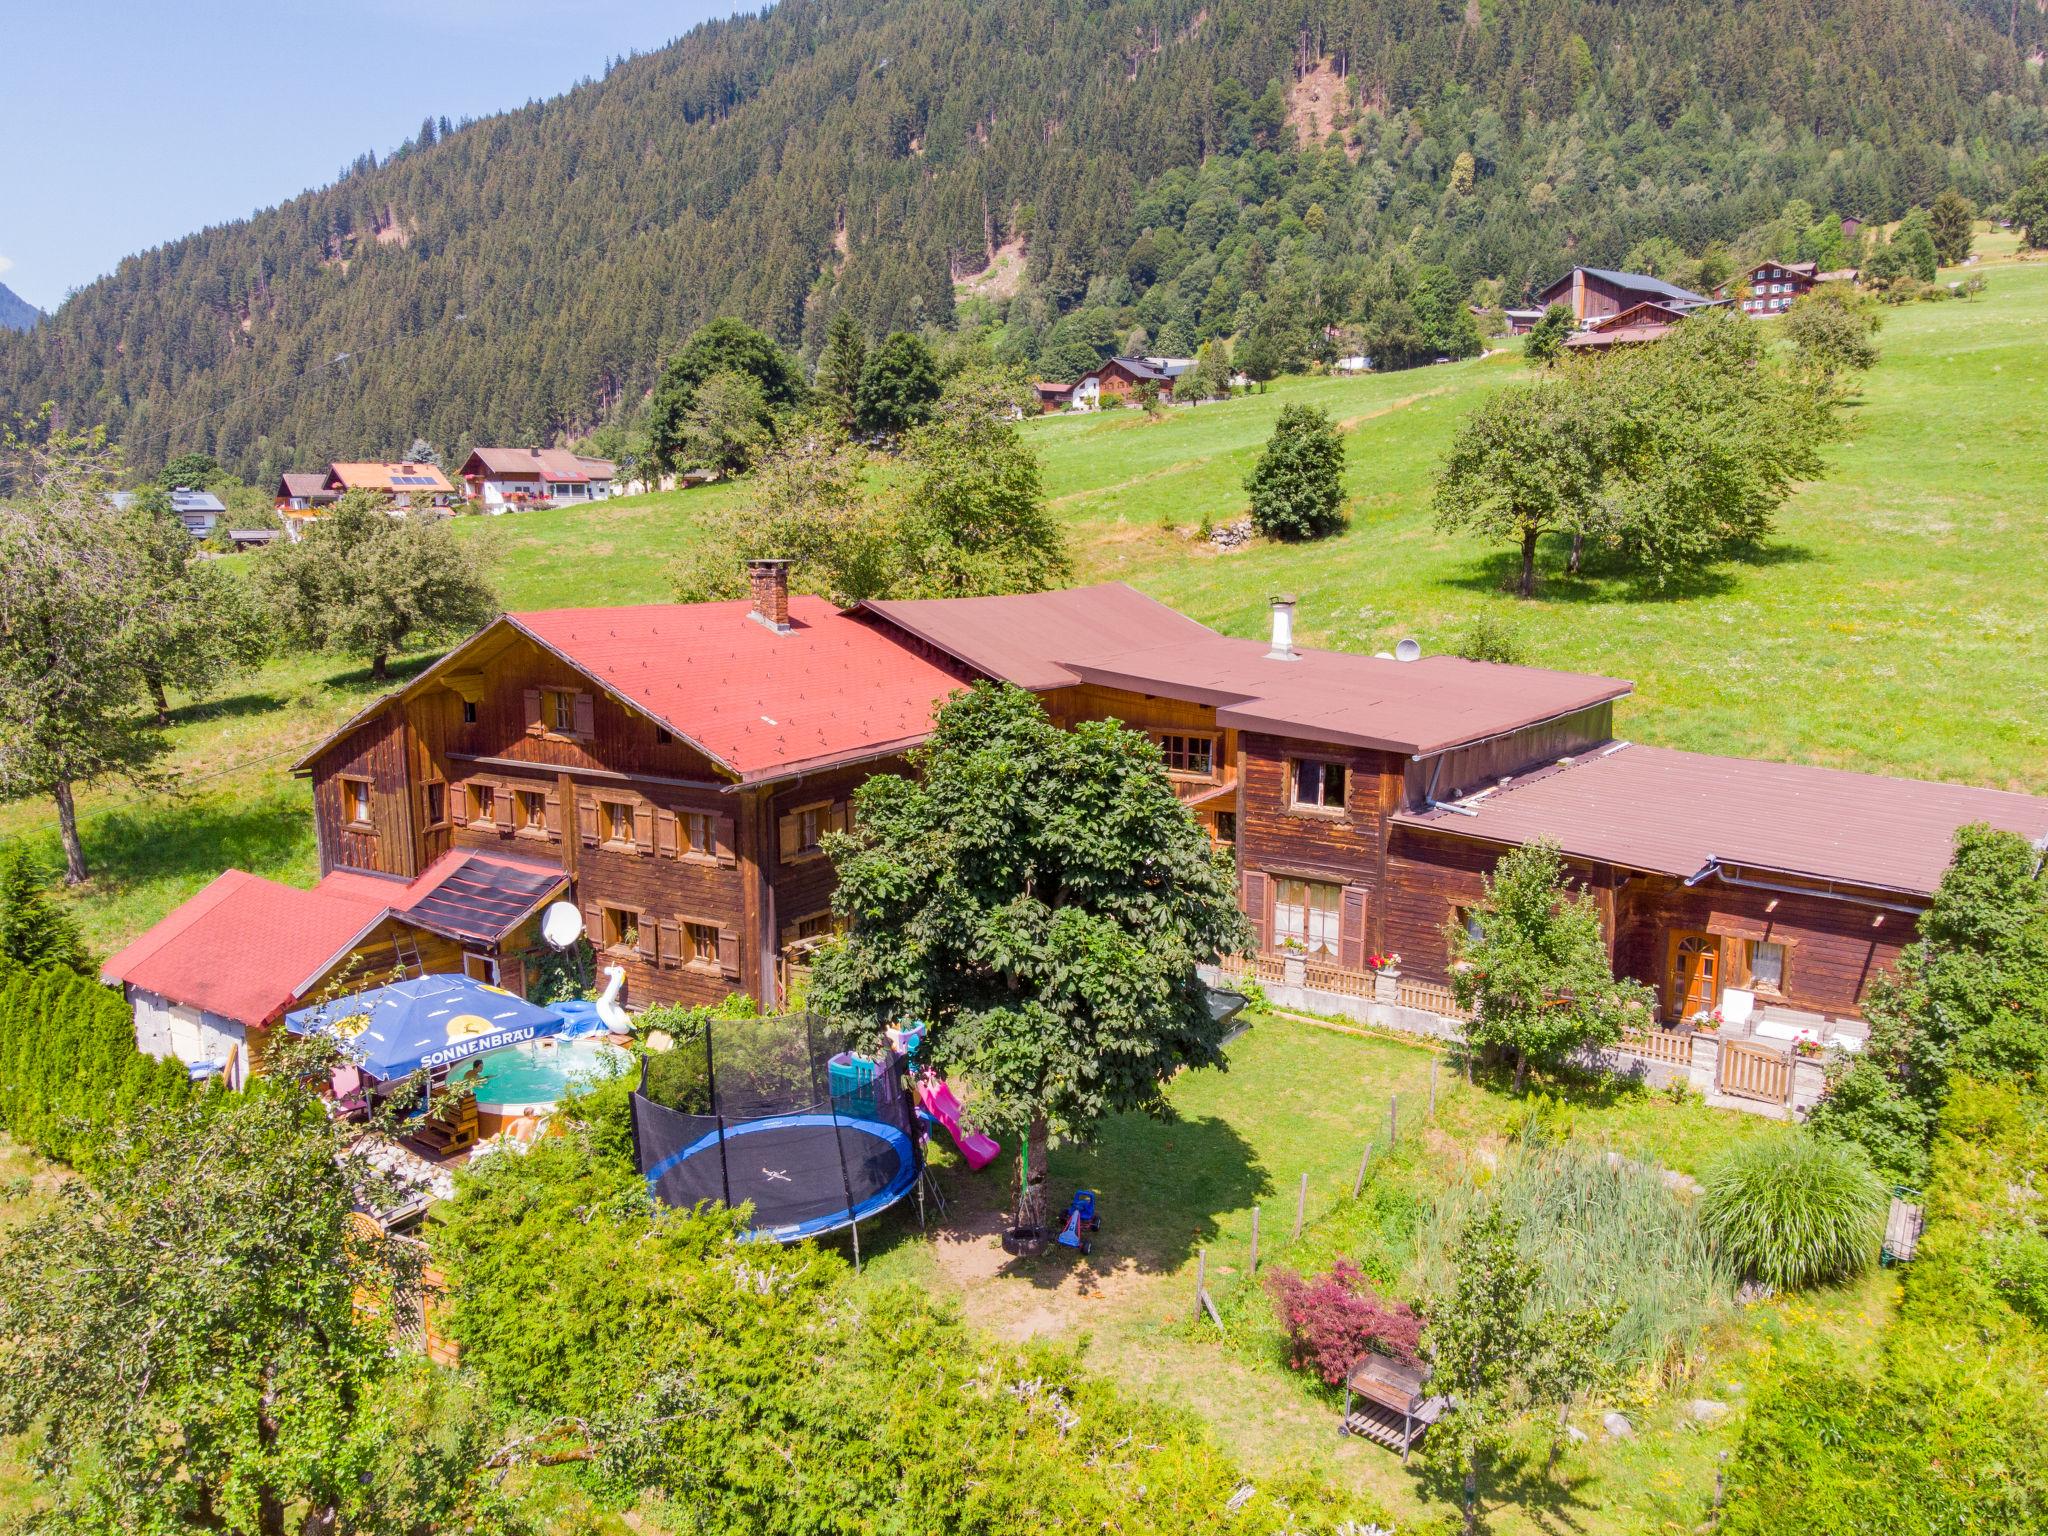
pixel 234 707
pixel 177 839
pixel 1605 576
pixel 1553 1501
pixel 1162 1189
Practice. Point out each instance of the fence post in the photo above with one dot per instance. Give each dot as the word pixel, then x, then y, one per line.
pixel 1364 1163
pixel 1255 1240
pixel 1300 1207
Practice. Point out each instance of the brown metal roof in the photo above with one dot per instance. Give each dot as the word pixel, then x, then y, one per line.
pixel 1684 813
pixel 1416 707
pixel 1026 638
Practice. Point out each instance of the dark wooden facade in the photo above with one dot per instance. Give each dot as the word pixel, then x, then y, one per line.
pixel 699 886
pixel 691 882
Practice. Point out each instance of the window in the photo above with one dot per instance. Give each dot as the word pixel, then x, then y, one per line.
pixel 469 711
pixel 483 803
pixel 1469 920
pixel 697 837
pixel 616 820
pixel 1310 913
pixel 621 927
pixel 437 803
pixel 355 801
pixel 1189 754
pixel 533 811
pixel 661 736
pixel 700 944
pixel 1226 827
pixel 1320 785
pixel 558 711
pixel 801 832
pixel 817 927
pixel 1767 966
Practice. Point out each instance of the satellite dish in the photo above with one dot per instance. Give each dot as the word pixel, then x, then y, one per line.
pixel 1408 650
pixel 561 924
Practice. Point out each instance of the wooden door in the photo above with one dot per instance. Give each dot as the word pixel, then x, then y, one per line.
pixel 1693 979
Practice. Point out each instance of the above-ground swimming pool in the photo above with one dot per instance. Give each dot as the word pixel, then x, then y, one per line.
pixel 529 1078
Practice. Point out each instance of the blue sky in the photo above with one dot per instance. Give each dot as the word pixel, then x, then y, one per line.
pixel 125 123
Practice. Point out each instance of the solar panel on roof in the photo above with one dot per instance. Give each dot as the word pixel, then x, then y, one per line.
pixel 412 479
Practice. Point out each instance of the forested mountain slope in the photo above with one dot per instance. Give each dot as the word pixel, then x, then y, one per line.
pixel 514 278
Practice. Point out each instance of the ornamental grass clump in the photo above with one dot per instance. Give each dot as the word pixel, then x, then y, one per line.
pixel 1794 1210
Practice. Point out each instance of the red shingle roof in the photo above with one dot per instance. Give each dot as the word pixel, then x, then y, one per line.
pixel 765 705
pixel 1677 813
pixel 207 953
pixel 244 947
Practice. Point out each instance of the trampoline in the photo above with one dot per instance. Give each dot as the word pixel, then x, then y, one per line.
pixel 780 1114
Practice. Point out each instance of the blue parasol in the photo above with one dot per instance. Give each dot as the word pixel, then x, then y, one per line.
pixel 425 1021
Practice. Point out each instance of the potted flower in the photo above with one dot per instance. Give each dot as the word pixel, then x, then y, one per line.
pixel 1806 1046
pixel 1293 963
pixel 1707 1023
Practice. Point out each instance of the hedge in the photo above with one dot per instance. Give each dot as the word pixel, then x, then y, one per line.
pixel 69 1069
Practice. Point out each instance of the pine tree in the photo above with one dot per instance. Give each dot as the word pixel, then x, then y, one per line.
pixel 841 364
pixel 35 931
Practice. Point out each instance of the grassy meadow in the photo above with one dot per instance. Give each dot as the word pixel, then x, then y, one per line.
pixel 1894 623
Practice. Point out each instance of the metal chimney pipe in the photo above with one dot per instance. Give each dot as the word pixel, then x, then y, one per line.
pixel 1283 629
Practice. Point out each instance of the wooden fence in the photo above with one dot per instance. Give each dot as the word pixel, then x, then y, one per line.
pixel 1667 1045
pixel 1755 1072
pixel 1430 996
pixel 1325 977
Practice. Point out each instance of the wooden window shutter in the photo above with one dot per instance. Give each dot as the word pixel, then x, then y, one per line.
pixel 728 953
pixel 1255 907
pixel 458 804
pixel 722 838
pixel 646 937
pixel 1351 929
pixel 586 715
pixel 534 724
pixel 842 816
pixel 586 820
pixel 555 813
pixel 671 945
pixel 593 924
pixel 668 838
pixel 643 827
pixel 789 832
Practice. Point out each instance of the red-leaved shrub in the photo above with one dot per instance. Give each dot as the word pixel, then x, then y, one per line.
pixel 1335 1319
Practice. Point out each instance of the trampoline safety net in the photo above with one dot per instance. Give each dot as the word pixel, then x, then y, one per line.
pixel 780 1114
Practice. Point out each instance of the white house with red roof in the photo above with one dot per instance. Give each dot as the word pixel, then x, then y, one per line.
pixel 509 479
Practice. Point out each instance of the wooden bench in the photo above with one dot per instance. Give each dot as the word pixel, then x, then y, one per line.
pixel 1383 1401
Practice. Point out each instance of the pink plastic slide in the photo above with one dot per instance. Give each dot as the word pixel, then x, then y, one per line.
pixel 943 1105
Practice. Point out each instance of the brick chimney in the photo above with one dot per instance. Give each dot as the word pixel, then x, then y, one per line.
pixel 769 582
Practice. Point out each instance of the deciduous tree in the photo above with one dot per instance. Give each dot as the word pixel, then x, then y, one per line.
pixel 183 1331
pixel 723 346
pixel 1528 461
pixel 367 584
pixel 1545 341
pixel 73 591
pixel 727 425
pixel 1533 970
pixel 2028 207
pixel 196 625
pixel 1496 1352
pixel 1040 899
pixel 1831 330
pixel 1297 487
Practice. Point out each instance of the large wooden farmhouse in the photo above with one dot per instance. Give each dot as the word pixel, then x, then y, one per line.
pixel 673 769
pixel 1592 293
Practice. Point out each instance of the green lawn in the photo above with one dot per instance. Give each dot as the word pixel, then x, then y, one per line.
pixel 1300 1099
pixel 1894 624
